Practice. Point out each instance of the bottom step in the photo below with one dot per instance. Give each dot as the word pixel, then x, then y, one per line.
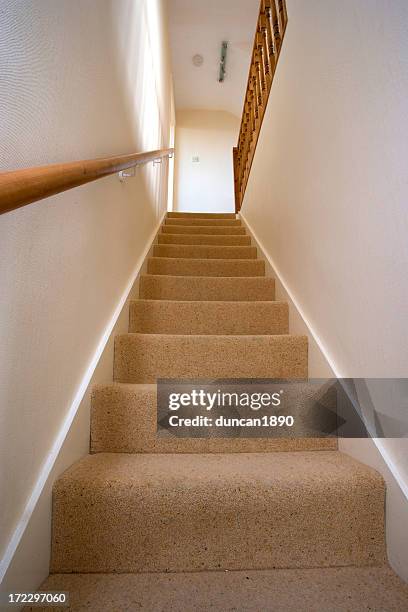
pixel 130 513
pixel 340 589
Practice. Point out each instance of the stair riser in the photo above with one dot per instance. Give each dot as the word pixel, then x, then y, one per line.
pixel 196 215
pixel 204 222
pixel 239 318
pixel 123 420
pixel 205 267
pixel 145 358
pixel 204 251
pixel 197 229
pixel 202 288
pixel 204 239
pixel 176 519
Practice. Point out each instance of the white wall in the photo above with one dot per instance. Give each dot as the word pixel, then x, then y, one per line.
pixel 374 452
pixel 208 185
pixel 327 196
pixel 79 80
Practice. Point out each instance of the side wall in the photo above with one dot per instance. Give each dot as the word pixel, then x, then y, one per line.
pixel 327 195
pixel 206 185
pixel 82 80
pixel 372 452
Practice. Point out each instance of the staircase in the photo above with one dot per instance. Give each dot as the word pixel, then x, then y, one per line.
pixel 164 513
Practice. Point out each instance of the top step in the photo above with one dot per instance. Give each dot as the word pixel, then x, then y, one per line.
pixel 201 221
pixel 197 215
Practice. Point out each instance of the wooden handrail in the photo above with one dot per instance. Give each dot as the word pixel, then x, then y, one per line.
pixel 270 30
pixel 22 187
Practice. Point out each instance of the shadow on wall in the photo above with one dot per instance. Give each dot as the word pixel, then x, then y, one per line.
pixel 142 70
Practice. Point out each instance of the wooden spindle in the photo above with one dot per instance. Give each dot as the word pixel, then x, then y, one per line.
pixel 276 25
pixel 260 77
pixel 283 15
pixel 270 41
pixel 263 39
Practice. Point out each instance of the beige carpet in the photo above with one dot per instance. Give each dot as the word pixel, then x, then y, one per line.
pixel 238 507
pixel 345 589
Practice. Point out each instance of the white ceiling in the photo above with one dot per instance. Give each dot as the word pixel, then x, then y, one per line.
pixel 199 26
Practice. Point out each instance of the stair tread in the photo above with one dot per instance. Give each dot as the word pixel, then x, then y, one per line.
pixel 199 215
pixel 146 357
pixel 339 589
pixel 203 279
pixel 204 251
pixel 202 222
pixel 222 230
pixel 206 267
pixel 257 338
pixel 213 303
pixel 224 288
pixel 205 239
pixel 216 247
pixel 208 317
pixel 204 259
pixel 160 512
pixel 291 472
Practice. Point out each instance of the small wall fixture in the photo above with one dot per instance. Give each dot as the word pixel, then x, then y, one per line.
pixel 224 47
pixel 131 172
pixel 124 174
pixel 198 60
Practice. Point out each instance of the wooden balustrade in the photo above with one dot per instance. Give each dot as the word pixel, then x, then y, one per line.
pixel 22 187
pixel 269 35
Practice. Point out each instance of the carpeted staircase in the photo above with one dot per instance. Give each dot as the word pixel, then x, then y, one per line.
pixel 147 523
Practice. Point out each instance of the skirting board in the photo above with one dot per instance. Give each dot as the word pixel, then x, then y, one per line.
pixel 26 561
pixel 372 452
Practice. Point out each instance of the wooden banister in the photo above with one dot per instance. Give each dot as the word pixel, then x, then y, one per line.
pixel 270 30
pixel 22 187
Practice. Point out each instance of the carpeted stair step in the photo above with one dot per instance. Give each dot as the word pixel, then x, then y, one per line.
pixel 143 358
pixel 204 229
pixel 185 512
pixel 223 240
pixel 203 222
pixel 161 287
pixel 199 317
pixel 203 251
pixel 328 589
pixel 124 420
pixel 198 215
pixel 205 267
